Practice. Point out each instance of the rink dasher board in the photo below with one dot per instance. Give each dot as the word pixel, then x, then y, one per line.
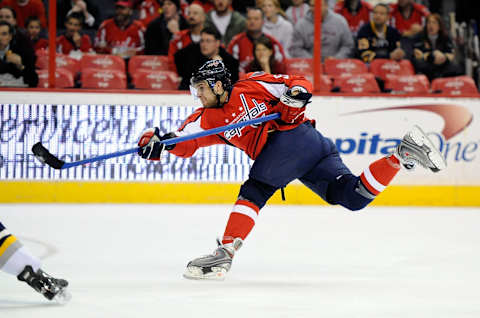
pixel 364 129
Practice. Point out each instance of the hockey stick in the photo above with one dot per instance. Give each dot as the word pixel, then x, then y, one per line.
pixel 45 156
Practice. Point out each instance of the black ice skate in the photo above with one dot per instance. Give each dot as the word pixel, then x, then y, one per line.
pixel 213 266
pixel 52 288
pixel 417 148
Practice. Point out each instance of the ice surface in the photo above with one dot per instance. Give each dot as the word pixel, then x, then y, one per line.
pixel 128 260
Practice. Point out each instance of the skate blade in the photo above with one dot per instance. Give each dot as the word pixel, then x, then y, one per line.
pixel 62 297
pixel 436 158
pixel 196 273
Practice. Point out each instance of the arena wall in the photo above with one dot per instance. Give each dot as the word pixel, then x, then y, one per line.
pixel 79 125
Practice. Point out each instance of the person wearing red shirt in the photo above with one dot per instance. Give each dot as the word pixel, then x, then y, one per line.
pixel 408 17
pixel 25 9
pixel 195 19
pixel 149 10
pixel 34 28
pixel 282 151
pixel 356 12
pixel 121 35
pixel 241 46
pixel 73 39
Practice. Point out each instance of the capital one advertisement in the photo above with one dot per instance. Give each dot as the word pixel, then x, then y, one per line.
pixel 363 128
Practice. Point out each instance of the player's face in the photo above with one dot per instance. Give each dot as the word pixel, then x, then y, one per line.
pixel 380 15
pixel 7 16
pixel 433 26
pixel 5 37
pixel 254 20
pixel 33 29
pixel 205 94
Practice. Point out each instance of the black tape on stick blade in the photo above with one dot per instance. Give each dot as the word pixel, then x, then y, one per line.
pixel 45 156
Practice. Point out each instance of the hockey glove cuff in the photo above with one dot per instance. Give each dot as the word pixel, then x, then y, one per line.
pixel 293 103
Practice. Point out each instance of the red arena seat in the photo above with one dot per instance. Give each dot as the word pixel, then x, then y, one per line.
pixel 299 66
pixel 383 67
pixel 162 80
pixel 336 67
pixel 455 86
pixel 62 61
pixel 63 78
pixel 149 62
pixel 357 83
pixel 105 79
pixel 410 84
pixel 103 61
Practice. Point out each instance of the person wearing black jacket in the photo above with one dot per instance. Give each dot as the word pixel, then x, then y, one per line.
pixel 195 55
pixel 434 51
pixel 16 58
pixel 161 30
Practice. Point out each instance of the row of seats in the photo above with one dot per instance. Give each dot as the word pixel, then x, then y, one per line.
pixel 109 72
pixel 354 76
pixel 345 75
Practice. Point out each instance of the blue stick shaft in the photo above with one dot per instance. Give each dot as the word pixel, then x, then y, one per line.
pixel 175 140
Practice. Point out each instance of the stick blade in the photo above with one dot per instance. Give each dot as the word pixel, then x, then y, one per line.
pixel 45 156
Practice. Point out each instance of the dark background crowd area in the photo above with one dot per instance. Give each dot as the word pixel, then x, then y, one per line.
pixel 173 51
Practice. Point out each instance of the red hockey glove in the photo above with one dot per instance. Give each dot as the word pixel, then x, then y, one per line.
pixel 151 145
pixel 292 104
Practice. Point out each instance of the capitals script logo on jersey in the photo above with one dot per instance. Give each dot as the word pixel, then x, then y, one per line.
pixel 247 114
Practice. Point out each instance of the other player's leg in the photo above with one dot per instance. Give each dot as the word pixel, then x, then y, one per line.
pixel 17 261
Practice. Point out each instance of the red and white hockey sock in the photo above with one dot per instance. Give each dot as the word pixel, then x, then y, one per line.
pixel 241 221
pixel 379 174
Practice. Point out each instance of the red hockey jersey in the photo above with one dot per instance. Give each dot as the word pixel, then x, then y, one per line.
pixel 253 97
pixel 241 47
pixel 355 21
pixel 111 39
pixel 418 16
pixel 179 41
pixel 66 45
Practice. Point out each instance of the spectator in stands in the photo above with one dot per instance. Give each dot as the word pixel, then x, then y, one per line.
pixel 161 30
pixel 207 5
pixel 337 40
pixel 149 10
pixel 87 8
pixel 241 5
pixel 34 28
pixel 276 24
pixel 196 20
pixel 434 52
pixel 377 39
pixel 20 37
pixel 408 17
pixel 25 9
pixel 227 22
pixel 356 12
pixel 73 42
pixel 241 46
pixel 120 35
pixel 264 60
pixel 17 65
pixel 297 10
pixel 195 55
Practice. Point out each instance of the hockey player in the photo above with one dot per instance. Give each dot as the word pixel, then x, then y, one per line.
pixel 16 260
pixel 283 150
